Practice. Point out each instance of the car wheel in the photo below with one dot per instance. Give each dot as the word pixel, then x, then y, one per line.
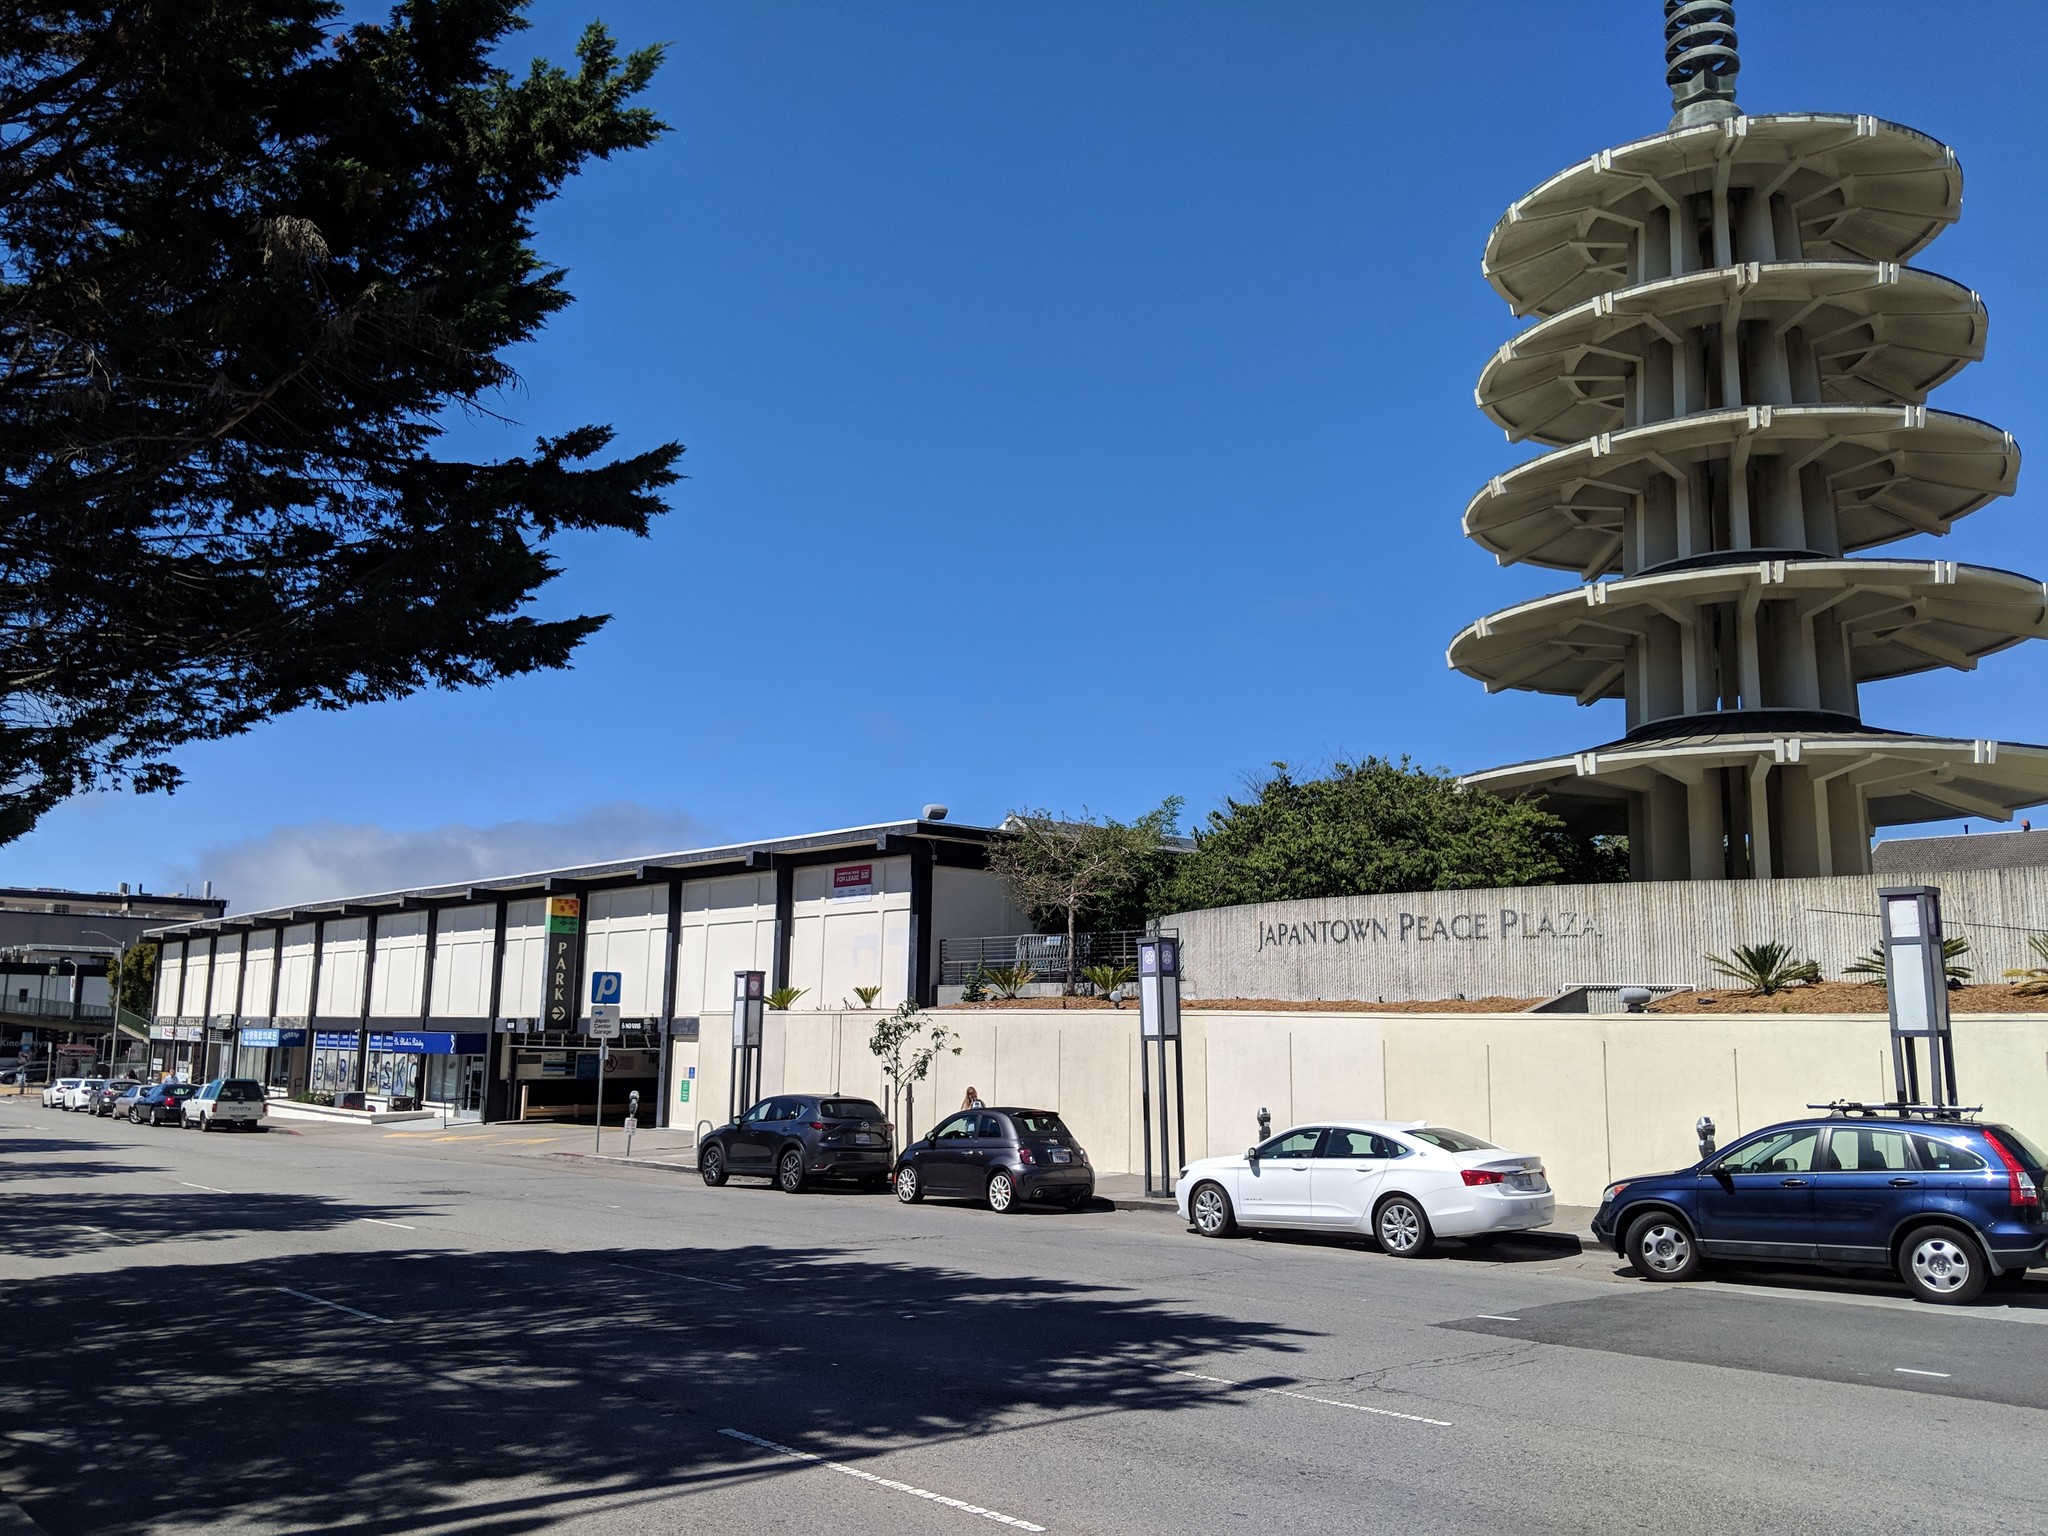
pixel 1002 1193
pixel 134 1115
pixel 1942 1265
pixel 1210 1208
pixel 789 1172
pixel 205 1122
pixel 1661 1247
pixel 909 1187
pixel 1403 1228
pixel 711 1164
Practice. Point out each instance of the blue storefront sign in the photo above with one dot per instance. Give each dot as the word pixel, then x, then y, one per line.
pixel 334 1040
pixel 429 1042
pixel 288 1038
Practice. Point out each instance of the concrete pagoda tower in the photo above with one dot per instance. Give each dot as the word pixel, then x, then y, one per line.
pixel 1731 362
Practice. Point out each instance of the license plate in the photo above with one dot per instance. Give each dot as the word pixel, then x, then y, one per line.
pixel 1528 1183
pixel 863 1139
pixel 1062 1155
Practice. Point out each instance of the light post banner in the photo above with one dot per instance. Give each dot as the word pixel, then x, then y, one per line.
pixel 1159 989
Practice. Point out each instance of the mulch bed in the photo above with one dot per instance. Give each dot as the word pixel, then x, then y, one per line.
pixel 1842 997
pixel 1272 1005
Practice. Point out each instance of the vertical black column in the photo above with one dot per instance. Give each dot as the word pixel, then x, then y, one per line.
pixel 785 923
pixel 674 934
pixel 427 967
pixel 923 982
pixel 363 1019
pixel 498 1064
pixel 202 1056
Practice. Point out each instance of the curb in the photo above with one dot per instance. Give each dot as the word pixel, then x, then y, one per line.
pixel 1156 1207
pixel 624 1162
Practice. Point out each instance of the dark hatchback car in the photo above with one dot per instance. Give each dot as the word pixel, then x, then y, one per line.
pixel 1944 1204
pixel 794 1138
pixel 155 1103
pixel 1002 1156
pixel 108 1096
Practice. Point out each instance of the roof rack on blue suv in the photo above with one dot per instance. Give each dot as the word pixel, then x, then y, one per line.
pixel 1942 1202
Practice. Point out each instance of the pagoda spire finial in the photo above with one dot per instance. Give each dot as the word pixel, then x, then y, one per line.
pixel 1700 61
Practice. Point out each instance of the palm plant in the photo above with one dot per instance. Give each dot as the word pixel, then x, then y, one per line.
pixel 1768 967
pixel 1011 980
pixel 867 995
pixel 1870 965
pixel 1109 979
pixel 2032 980
pixel 784 998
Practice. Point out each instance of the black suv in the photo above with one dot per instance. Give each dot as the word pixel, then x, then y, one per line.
pixel 794 1138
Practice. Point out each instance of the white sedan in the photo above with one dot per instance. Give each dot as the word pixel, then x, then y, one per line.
pixel 1406 1183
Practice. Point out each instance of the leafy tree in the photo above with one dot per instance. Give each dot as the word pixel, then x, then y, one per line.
pixel 1060 869
pixel 250 259
pixel 908 1041
pixel 135 983
pixel 1376 827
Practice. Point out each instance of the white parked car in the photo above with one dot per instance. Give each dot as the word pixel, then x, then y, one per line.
pixel 53 1093
pixel 80 1094
pixel 1406 1184
pixel 227 1103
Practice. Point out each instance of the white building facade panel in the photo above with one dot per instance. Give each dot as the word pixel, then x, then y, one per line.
pixel 396 978
pixel 520 965
pixel 343 953
pixel 259 965
pixel 624 931
pixel 464 940
pixel 295 975
pixel 727 925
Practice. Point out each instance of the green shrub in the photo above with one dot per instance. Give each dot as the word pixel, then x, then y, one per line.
pixel 1767 968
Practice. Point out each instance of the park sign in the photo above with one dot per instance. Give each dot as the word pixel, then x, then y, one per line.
pixel 564 930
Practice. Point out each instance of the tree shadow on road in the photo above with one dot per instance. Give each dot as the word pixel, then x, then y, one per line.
pixel 31 1157
pixel 501 1392
pixel 56 1226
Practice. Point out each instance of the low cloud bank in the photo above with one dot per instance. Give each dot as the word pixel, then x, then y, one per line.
pixel 321 860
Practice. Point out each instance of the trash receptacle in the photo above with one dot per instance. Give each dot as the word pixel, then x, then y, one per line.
pixel 351 1098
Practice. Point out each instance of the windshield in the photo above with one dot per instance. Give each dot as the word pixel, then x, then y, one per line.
pixel 1451 1141
pixel 850 1109
pixel 241 1091
pixel 1034 1123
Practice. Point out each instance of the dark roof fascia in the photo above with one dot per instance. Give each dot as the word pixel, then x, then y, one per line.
pixel 696 864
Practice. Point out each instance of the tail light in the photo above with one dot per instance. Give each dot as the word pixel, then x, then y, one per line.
pixel 1025 1155
pixel 816 1125
pixel 2019 1183
pixel 1475 1177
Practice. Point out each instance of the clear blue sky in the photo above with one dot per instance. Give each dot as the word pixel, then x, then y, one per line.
pixel 1079 410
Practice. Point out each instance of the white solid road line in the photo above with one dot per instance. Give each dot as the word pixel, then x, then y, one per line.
pixel 1327 1402
pixel 379 1221
pixel 882 1482
pixel 1498 1317
pixel 322 1301
pixel 1907 1370
pixel 207 1187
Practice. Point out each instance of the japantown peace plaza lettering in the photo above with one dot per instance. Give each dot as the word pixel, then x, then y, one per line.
pixel 1508 924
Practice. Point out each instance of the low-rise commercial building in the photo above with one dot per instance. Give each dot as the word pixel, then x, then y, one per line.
pixel 476 997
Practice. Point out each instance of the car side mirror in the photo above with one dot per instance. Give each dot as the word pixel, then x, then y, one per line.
pixel 1251 1154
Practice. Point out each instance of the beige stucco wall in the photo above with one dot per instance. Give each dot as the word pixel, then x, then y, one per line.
pixel 1596 1096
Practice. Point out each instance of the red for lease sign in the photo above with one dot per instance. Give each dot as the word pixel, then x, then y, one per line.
pixel 853 880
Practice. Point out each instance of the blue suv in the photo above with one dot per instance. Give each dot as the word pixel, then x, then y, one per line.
pixel 1943 1203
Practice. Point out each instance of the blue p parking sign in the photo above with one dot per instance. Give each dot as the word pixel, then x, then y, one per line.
pixel 605 986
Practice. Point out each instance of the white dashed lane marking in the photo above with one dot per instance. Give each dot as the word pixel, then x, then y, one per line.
pixel 1327 1402
pixel 1907 1370
pixel 882 1482
pixel 207 1187
pixel 380 1222
pixel 322 1301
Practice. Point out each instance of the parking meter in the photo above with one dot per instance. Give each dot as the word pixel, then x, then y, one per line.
pixel 1705 1131
pixel 1265 1122
pixel 632 1118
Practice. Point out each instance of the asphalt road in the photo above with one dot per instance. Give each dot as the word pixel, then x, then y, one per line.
pixel 411 1330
